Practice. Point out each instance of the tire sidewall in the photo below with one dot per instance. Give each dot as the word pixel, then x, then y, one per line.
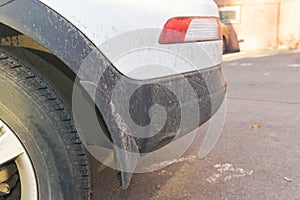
pixel 38 134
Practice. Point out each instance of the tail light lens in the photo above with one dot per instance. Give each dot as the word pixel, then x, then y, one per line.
pixel 191 29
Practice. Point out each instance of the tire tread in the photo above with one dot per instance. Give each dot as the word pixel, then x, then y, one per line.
pixel 59 115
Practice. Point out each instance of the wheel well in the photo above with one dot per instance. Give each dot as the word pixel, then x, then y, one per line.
pixel 43 62
pixel 224 38
pixel 37 57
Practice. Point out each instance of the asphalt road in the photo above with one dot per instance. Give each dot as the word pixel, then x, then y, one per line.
pixel 258 153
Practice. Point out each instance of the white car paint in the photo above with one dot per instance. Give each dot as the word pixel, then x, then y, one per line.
pixel 127 33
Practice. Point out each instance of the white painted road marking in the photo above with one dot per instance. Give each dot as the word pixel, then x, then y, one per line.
pixel 227 172
pixel 246 64
pixel 293 65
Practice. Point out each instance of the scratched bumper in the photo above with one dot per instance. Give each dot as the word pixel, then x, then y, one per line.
pixel 187 100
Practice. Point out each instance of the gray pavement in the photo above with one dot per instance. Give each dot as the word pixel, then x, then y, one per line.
pixel 246 163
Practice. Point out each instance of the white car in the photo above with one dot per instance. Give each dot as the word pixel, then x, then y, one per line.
pixel 95 75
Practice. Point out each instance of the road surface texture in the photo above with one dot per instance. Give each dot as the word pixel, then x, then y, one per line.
pixel 258 153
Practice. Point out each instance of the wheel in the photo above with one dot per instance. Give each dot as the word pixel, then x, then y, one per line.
pixel 224 45
pixel 41 154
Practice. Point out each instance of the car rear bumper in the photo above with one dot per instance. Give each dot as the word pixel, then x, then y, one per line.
pixel 183 103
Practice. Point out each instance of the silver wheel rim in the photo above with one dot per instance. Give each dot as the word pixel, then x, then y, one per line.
pixel 11 149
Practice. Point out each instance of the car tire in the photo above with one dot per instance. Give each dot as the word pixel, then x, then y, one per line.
pixel 224 45
pixel 40 148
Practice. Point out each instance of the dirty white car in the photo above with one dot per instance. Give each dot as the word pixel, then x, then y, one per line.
pixel 150 71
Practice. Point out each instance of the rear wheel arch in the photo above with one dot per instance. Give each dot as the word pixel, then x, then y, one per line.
pixel 65 43
pixel 39 59
pixel 47 65
pixel 47 28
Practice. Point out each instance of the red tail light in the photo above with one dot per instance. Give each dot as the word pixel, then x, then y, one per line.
pixel 191 29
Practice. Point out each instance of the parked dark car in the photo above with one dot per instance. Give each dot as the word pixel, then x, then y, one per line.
pixel 230 41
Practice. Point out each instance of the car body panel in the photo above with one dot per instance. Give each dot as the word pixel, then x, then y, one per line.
pixel 101 20
pixel 120 28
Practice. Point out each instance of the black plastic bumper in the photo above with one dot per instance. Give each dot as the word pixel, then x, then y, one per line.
pixel 188 100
